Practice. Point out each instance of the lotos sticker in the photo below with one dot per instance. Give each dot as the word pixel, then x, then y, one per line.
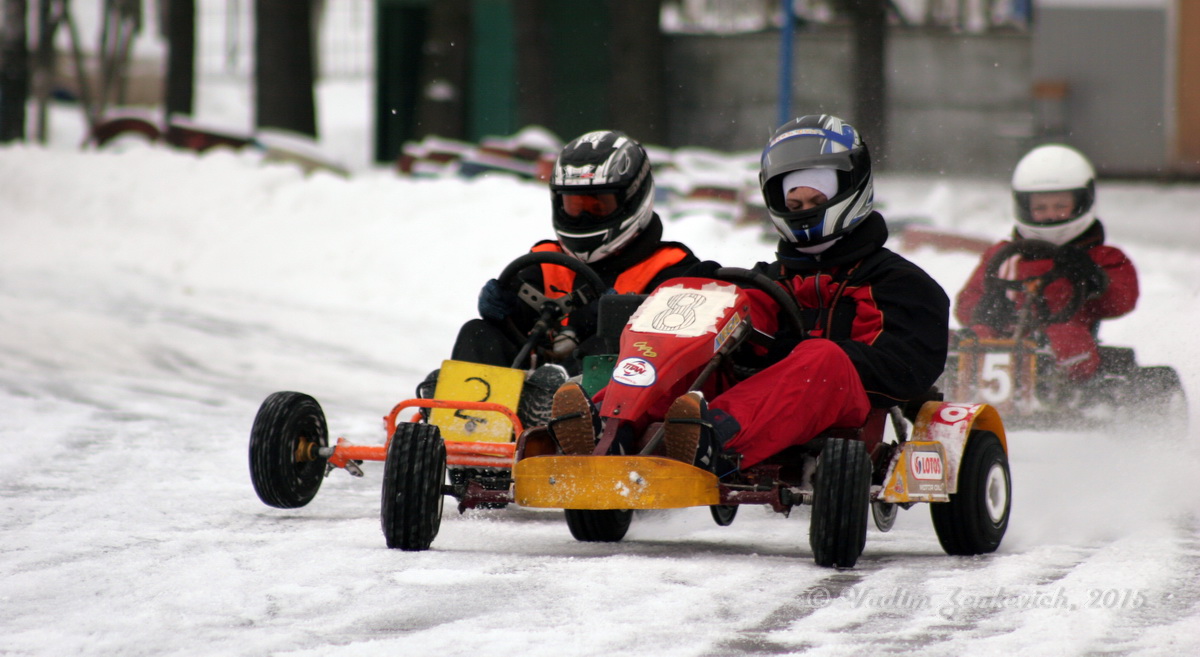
pixel 925 465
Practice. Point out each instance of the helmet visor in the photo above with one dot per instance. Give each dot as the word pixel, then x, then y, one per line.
pixel 1052 208
pixel 597 205
pixel 586 210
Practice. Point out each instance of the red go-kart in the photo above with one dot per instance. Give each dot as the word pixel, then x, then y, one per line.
pixel 950 455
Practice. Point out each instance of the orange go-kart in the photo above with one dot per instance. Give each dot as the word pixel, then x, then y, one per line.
pixel 474 415
pixel 1019 376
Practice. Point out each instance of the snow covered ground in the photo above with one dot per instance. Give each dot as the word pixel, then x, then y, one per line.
pixel 149 301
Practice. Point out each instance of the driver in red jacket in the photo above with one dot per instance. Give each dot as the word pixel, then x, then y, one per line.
pixel 876 324
pixel 1054 191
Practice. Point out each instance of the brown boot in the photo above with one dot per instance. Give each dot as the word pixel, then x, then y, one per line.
pixel 695 434
pixel 572 420
pixel 683 425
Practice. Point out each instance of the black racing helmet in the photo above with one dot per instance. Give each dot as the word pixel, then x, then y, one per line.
pixel 818 141
pixel 602 193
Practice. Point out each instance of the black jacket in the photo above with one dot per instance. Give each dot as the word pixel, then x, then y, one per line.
pixel 888 314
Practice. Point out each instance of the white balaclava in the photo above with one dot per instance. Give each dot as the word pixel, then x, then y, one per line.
pixel 822 180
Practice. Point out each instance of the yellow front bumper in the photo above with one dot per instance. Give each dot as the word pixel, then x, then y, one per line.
pixel 612 482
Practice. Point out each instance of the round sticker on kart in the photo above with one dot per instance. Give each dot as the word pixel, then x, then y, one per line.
pixel 637 372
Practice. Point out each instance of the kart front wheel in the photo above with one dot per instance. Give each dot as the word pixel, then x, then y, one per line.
pixel 841 493
pixel 976 517
pixel 286 467
pixel 413 476
pixel 598 526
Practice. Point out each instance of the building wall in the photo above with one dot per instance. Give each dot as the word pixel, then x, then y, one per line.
pixel 1114 60
pixel 974 116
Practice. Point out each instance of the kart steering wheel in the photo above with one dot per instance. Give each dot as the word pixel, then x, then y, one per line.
pixel 588 288
pixel 789 308
pixel 1033 250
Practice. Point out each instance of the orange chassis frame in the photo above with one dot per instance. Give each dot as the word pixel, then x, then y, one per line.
pixel 459 453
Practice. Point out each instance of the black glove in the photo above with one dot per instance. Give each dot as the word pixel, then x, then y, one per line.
pixel 496 303
pixel 785 342
pixel 1076 266
pixel 585 320
pixel 995 310
pixel 704 269
pixel 593 346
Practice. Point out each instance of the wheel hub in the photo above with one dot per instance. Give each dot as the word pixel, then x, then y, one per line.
pixel 995 493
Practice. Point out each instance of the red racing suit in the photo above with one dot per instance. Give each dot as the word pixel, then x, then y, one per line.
pixel 1074 340
pixel 878 331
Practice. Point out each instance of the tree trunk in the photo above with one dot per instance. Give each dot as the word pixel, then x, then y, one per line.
pixel 635 88
pixel 181 56
pixel 283 66
pixel 535 75
pixel 442 104
pixel 869 71
pixel 14 71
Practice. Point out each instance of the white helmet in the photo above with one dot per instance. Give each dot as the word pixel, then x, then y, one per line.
pixel 1054 168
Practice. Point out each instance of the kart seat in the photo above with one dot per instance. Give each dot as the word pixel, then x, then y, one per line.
pixel 612 316
pixel 1117 360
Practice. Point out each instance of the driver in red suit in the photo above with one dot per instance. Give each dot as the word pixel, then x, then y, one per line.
pixel 1054 190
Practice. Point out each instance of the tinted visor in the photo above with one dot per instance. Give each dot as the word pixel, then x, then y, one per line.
pixel 596 205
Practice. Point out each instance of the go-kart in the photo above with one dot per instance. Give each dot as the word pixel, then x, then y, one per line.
pixel 954 458
pixel 474 416
pixel 1020 377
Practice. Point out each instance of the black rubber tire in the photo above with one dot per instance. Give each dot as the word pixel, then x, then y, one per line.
pixel 976 517
pixel 884 514
pixel 598 526
pixel 723 514
pixel 1161 402
pixel 285 472
pixel 413 477
pixel 841 496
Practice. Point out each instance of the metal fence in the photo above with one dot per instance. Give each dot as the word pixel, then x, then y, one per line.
pixel 728 16
pixel 346 28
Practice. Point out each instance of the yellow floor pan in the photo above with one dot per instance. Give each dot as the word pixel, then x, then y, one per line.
pixel 612 482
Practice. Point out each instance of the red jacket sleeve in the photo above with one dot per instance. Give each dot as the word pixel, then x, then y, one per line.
pixel 1122 293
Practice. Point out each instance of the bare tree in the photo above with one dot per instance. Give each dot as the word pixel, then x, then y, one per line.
pixel 442 103
pixel 284 66
pixel 635 88
pixel 14 70
pixel 180 26
pixel 869 71
pixel 535 75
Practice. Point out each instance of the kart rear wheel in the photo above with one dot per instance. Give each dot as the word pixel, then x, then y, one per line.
pixel 841 493
pixel 598 526
pixel 723 514
pixel 884 514
pixel 413 475
pixel 1163 404
pixel 976 517
pixel 285 466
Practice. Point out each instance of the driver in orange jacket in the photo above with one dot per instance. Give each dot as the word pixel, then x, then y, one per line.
pixel 602 195
pixel 602 198
pixel 1054 191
